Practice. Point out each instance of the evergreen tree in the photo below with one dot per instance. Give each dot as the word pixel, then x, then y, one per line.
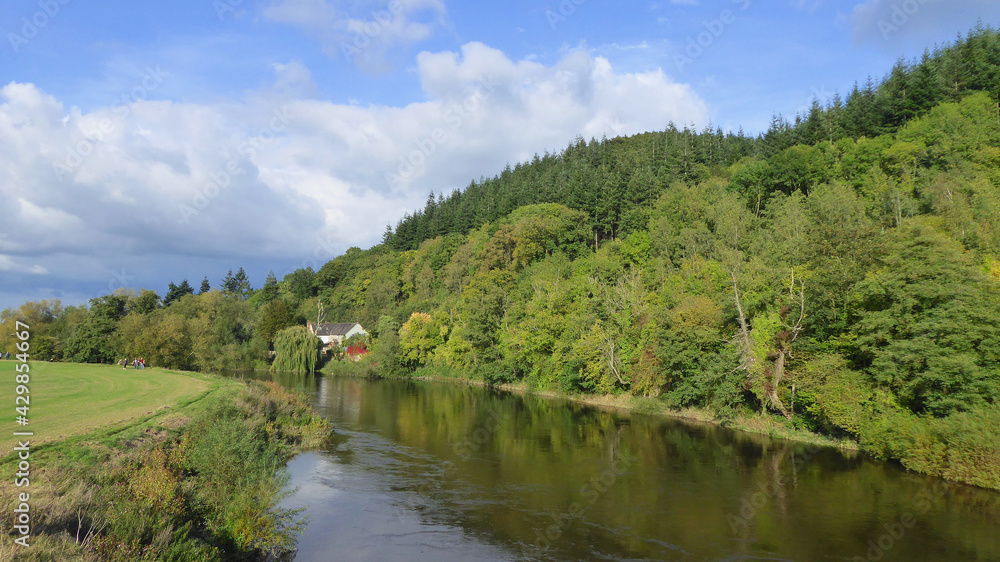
pixel 241 283
pixel 229 284
pixel 269 291
pixel 175 292
pixel 205 286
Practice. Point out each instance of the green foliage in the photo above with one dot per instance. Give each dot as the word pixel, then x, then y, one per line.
pixel 299 285
pixel 296 350
pixel 419 337
pixel 237 285
pixel 206 491
pixel 92 340
pixel 675 265
pixel 175 292
pixel 274 317
pixel 386 352
pixel 927 326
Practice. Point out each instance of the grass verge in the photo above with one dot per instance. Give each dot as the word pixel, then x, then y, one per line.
pixel 196 481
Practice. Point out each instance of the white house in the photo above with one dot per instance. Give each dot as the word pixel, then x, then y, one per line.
pixel 334 335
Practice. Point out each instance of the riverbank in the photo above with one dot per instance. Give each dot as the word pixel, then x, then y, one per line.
pixel 963 447
pixel 191 479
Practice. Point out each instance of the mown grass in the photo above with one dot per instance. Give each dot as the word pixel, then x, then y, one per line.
pixel 68 400
pixel 196 481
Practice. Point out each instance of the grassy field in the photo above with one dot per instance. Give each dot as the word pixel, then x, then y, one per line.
pixel 153 465
pixel 69 400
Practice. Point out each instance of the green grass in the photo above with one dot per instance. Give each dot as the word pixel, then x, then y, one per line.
pixel 163 466
pixel 69 400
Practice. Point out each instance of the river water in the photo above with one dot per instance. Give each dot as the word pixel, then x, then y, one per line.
pixel 422 471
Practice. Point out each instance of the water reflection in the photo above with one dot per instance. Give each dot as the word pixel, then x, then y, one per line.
pixel 437 472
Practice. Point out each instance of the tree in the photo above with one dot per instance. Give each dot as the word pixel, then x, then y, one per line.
pixel 92 341
pixel 205 286
pixel 242 285
pixel 269 291
pixel 175 292
pixel 274 317
pixel 238 285
pixel 229 285
pixel 299 285
pixel 296 350
pixel 927 324
pixel 144 303
pixel 419 337
pixel 386 351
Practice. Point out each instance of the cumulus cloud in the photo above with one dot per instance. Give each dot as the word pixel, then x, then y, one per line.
pixel 154 187
pixel 363 33
pixel 893 25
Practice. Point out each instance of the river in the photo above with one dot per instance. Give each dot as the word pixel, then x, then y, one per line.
pixel 423 471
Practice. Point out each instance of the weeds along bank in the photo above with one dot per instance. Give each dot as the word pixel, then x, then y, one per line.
pixel 201 483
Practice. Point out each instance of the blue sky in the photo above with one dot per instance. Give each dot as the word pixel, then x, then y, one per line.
pixel 147 143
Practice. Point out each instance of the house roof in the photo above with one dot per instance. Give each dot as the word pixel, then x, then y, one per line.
pixel 341 329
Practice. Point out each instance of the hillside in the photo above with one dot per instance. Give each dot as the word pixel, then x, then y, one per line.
pixel 840 273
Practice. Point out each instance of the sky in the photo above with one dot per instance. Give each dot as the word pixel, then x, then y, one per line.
pixel 147 143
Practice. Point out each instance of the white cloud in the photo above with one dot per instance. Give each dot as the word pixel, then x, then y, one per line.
pixel 153 185
pixel 8 264
pixel 363 33
pixel 893 25
pixel 294 79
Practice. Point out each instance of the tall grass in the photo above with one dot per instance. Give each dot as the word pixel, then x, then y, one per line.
pixel 207 492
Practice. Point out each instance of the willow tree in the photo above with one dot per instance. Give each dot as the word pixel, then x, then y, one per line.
pixel 296 349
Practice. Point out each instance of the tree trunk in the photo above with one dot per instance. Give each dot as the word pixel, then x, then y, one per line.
pixel 779 374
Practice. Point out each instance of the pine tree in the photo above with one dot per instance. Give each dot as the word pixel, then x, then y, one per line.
pixel 175 292
pixel 205 286
pixel 241 282
pixel 270 290
pixel 228 284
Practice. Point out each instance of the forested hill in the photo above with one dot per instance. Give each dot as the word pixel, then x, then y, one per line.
pixel 839 274
pixel 617 181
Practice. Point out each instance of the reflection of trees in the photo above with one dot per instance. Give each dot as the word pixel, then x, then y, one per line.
pixel 529 459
